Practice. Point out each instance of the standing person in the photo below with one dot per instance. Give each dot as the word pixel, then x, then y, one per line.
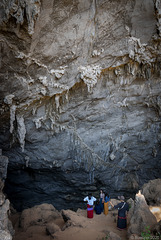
pixel 123 208
pixel 97 208
pixel 107 199
pixel 102 195
pixel 90 201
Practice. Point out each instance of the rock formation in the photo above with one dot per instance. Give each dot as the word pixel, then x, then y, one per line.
pixel 80 100
pixel 152 192
pixel 140 216
pixel 44 222
pixel 6 230
pixel 38 215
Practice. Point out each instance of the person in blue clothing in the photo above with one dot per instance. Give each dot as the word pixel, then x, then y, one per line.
pixel 106 201
pixel 98 208
pixel 123 209
pixel 102 195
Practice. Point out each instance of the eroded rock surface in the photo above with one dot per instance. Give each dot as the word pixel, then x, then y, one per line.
pixel 152 192
pixel 36 223
pixel 38 215
pixel 80 98
pixel 6 229
pixel 141 217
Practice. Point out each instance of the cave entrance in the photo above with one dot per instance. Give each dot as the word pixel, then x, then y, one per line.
pixel 27 187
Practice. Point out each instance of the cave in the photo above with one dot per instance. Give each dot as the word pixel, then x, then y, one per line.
pixel 80 99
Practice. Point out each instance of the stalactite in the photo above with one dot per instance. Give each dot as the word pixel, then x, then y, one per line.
pixel 90 75
pixel 12 117
pixel 57 97
pixel 21 131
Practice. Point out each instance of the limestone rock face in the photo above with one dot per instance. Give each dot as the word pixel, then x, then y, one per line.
pixel 6 229
pixel 141 216
pixel 80 100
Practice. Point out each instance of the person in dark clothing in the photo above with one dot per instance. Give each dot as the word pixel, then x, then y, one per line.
pixel 102 195
pixel 123 208
pixel 98 208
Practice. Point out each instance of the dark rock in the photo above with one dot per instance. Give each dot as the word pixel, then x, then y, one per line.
pixel 156 230
pixel 3 167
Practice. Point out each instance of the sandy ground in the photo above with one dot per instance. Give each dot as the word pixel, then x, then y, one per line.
pixel 84 228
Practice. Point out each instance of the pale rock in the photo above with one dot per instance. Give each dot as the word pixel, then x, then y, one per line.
pixel 89 75
pixel 4 235
pixel 112 156
pixel 12 117
pixel 21 131
pixel 38 215
pixel 8 99
pixel 141 216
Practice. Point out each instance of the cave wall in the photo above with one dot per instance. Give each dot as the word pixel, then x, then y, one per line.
pixel 80 98
pixel 6 228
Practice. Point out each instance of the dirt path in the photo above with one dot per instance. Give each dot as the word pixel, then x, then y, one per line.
pixel 96 228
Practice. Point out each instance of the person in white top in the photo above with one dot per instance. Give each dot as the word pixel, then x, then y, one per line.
pixel 90 202
pixel 102 197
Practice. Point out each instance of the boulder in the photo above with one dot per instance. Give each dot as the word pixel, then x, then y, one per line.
pixel 38 215
pixel 114 236
pixel 152 192
pixel 141 216
pixel 52 228
pixel 131 209
pixel 72 218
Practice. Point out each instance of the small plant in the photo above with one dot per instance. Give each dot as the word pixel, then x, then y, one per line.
pixel 147 234
pixel 105 238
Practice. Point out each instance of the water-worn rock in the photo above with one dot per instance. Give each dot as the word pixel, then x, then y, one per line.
pixel 80 100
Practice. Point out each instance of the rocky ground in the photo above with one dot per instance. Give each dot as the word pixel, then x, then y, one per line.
pixel 79 228
pixel 44 222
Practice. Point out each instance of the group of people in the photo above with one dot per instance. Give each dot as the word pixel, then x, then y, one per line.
pixel 102 204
